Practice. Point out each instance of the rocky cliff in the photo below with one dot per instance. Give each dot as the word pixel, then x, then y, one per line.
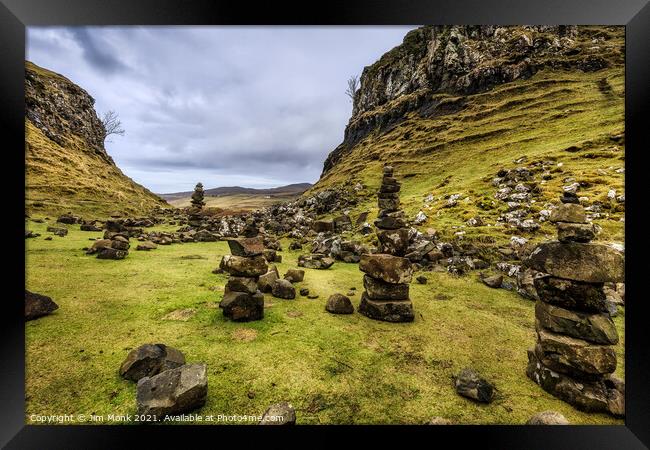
pixel 462 60
pixel 68 168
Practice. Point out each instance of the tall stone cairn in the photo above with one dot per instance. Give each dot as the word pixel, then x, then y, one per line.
pixel 574 357
pixel 242 301
pixel 388 274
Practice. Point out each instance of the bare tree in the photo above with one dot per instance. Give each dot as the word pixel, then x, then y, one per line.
pixel 112 124
pixel 353 84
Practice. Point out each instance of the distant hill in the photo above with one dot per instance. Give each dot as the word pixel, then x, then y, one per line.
pixel 288 190
pixel 67 166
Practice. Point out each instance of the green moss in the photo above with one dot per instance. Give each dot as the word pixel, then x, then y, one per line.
pixel 333 369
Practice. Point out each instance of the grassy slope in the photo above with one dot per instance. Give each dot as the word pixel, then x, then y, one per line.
pixel 74 178
pixel 334 369
pixel 537 118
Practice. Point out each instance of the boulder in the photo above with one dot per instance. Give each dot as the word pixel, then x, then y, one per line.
pixel 89 227
pixel 242 307
pixel 470 384
pixel 494 281
pixel 393 242
pixel 548 418
pixel 149 360
pixel 574 357
pixel 377 289
pixel 315 261
pixel 294 275
pixel 37 305
pixel 265 282
pixel 174 391
pixel 279 414
pixel 120 243
pixel 242 284
pixel 388 311
pixel 339 304
pixel 111 253
pixel 323 226
pixel 205 236
pixel 242 266
pixel 568 212
pixel 146 245
pixel 68 219
pixel 283 289
pixel 588 297
pixel 59 231
pixel 593 327
pixel 593 263
pixel 391 269
pixel 98 245
pixel 421 279
pixel 246 246
pixel 304 292
pixel 575 232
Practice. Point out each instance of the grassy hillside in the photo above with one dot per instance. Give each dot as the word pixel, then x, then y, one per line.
pixel 459 153
pixel 70 170
pixel 332 368
pixel 237 202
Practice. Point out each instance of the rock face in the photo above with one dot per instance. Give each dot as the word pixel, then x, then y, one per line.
pixel 574 357
pixel 457 60
pixel 174 391
pixel 149 360
pixel 62 126
pixel 242 300
pixel 37 305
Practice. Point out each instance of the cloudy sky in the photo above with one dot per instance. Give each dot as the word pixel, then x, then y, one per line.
pixel 247 106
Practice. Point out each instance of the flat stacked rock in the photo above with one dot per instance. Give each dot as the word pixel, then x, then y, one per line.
pixel 392 232
pixel 242 300
pixel 388 274
pixel 386 282
pixel 574 356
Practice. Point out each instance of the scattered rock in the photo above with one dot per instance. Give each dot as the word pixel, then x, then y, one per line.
pixel 146 245
pixel 339 304
pixel 283 289
pixel 150 359
pixel 294 275
pixel 279 414
pixel 421 279
pixel 470 384
pixel 494 281
pixel 37 305
pixel 548 418
pixel 173 391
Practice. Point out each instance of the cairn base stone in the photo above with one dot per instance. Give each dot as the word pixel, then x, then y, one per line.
pixel 388 311
pixel 588 396
pixel 243 307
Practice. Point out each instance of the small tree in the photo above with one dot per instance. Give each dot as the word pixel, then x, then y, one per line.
pixel 353 85
pixel 197 196
pixel 112 124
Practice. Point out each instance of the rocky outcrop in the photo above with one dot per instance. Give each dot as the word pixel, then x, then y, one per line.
pixel 457 60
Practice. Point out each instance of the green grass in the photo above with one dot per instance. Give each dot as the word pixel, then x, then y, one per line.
pixel 333 369
pixel 237 202
pixel 537 118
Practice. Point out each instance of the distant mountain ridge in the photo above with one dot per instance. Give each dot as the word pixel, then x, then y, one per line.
pixel 290 189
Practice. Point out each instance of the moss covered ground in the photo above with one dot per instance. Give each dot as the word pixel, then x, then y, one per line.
pixel 335 369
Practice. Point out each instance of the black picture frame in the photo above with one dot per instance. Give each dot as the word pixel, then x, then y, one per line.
pixel 16 15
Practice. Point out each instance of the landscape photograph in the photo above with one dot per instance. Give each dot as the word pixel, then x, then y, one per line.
pixel 325 225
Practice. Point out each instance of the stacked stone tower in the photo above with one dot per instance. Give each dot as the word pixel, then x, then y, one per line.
pixel 388 274
pixel 242 301
pixel 574 356
pixel 392 232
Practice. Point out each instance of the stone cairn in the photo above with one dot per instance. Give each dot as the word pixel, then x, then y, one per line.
pixel 388 274
pixel 574 357
pixel 242 301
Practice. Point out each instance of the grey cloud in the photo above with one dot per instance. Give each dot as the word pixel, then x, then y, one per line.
pixel 250 106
